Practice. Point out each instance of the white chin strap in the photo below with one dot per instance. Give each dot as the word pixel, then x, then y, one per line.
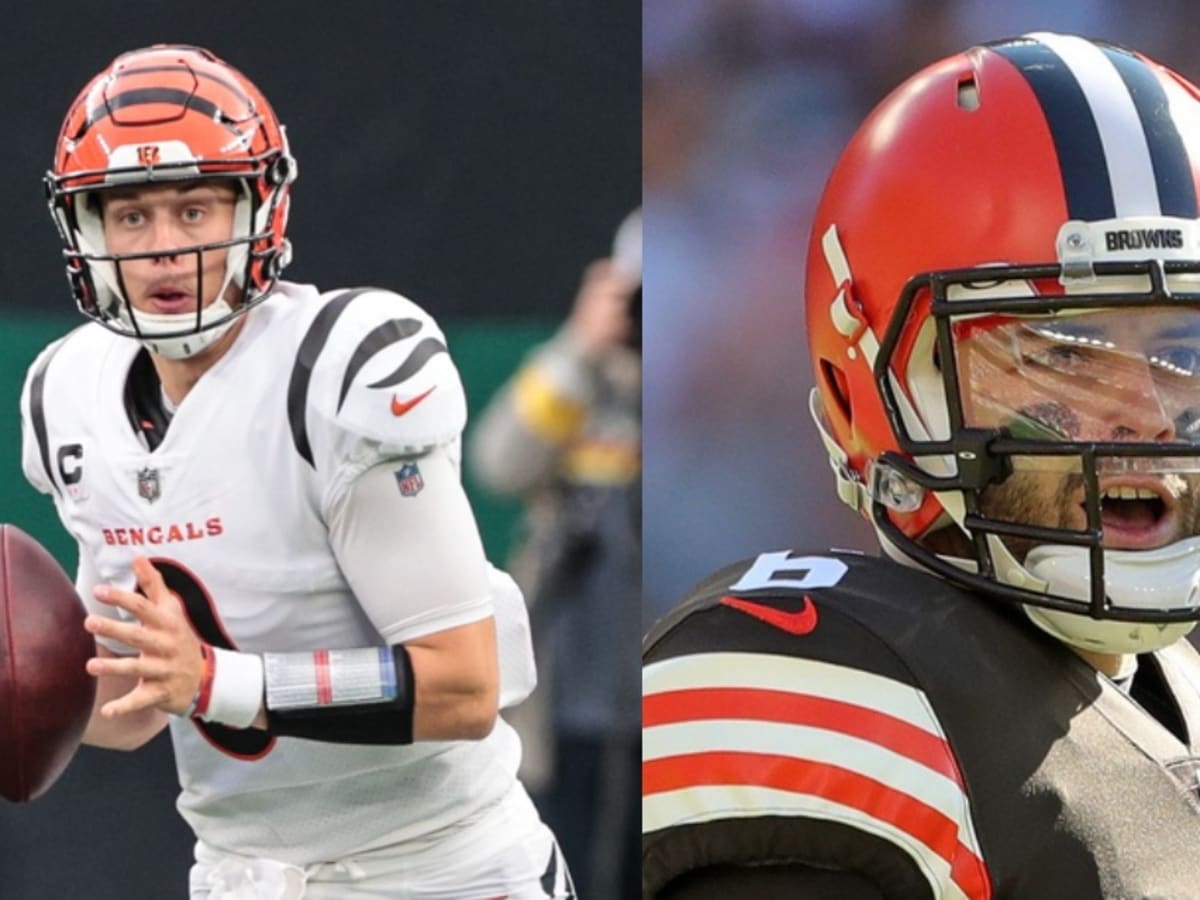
pixel 1166 578
pixel 180 347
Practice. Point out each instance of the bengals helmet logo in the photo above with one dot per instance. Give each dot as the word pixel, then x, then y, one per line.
pixel 149 155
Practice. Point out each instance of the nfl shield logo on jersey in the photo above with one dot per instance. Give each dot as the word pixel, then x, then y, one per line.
pixel 409 479
pixel 148 486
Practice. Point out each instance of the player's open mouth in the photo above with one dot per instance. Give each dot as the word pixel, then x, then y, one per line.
pixel 1138 514
pixel 170 300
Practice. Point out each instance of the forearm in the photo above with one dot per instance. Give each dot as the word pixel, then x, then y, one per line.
pixel 442 687
pixel 413 562
pixel 455 700
pixel 438 686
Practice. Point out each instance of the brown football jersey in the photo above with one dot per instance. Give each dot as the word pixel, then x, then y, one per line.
pixel 843 713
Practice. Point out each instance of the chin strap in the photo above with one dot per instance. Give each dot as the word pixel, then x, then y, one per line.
pixel 1163 578
pixel 884 484
pixel 186 345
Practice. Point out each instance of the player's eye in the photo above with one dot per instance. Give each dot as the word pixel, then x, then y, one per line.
pixel 193 214
pixel 131 217
pixel 1060 357
pixel 1180 360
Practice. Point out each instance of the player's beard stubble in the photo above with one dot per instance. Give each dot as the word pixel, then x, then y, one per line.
pixel 1055 500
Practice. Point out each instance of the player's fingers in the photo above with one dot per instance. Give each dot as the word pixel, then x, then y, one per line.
pixel 146 695
pixel 132 634
pixel 135 604
pixel 154 586
pixel 130 666
pixel 150 579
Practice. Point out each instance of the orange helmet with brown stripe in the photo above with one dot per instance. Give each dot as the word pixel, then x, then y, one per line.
pixel 162 114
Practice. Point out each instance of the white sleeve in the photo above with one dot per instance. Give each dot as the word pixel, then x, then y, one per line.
pixel 406 540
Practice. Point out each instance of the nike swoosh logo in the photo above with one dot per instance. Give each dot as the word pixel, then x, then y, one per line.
pixel 803 621
pixel 400 407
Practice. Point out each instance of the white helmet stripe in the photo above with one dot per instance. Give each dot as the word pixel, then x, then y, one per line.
pixel 866 342
pixel 1119 146
pixel 1130 169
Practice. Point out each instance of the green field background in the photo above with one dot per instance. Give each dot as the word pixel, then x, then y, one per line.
pixel 487 352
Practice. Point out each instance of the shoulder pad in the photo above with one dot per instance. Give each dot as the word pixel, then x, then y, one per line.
pixel 773 694
pixel 374 366
pixel 775 576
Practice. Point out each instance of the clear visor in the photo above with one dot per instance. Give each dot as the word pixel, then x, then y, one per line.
pixel 1104 376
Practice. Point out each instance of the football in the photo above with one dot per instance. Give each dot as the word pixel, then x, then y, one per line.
pixel 45 692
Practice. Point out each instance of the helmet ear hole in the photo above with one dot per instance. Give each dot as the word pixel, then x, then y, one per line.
pixel 837 387
pixel 968 93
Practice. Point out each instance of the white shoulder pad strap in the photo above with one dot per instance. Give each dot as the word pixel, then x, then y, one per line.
pixel 374 366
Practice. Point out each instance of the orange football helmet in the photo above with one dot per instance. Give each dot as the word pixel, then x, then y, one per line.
pixel 1029 181
pixel 160 114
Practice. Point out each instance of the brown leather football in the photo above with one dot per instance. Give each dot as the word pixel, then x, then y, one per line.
pixel 46 694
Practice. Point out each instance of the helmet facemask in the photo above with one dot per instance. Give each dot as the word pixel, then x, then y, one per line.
pixel 1001 414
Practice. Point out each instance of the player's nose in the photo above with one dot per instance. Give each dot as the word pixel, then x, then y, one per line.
pixel 165 236
pixel 1133 409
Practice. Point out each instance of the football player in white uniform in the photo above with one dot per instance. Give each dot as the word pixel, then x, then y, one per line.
pixel 278 557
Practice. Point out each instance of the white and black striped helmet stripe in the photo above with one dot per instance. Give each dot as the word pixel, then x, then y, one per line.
pixel 1118 146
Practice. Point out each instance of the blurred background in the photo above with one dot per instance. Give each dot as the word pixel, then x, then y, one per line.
pixel 746 104
pixel 472 156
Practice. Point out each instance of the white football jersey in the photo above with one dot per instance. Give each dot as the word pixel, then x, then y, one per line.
pixel 231 508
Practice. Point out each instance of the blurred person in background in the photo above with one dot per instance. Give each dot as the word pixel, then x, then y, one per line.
pixel 1002 302
pixel 564 435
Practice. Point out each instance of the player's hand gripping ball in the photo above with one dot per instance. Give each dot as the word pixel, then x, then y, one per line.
pixel 46 694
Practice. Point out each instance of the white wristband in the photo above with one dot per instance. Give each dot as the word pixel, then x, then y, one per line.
pixel 237 688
